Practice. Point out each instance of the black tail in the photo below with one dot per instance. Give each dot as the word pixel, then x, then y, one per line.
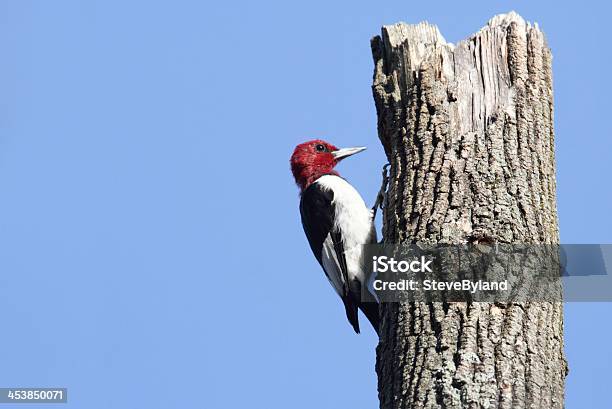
pixel 370 310
pixel 351 312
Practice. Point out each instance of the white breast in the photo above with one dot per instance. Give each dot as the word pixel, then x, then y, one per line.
pixel 353 219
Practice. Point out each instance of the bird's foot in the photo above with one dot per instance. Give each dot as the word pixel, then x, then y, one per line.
pixel 380 197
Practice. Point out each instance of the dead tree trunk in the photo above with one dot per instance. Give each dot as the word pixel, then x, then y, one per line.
pixel 468 131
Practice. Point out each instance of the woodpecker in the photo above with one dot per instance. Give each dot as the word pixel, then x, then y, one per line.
pixel 337 224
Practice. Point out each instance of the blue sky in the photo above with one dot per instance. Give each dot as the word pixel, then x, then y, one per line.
pixel 151 253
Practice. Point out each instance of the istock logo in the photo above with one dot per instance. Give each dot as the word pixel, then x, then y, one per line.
pixel 382 264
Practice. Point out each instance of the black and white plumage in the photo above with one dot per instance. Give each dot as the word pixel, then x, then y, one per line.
pixel 338 223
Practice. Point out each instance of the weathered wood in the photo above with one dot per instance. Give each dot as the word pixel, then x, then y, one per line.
pixel 468 131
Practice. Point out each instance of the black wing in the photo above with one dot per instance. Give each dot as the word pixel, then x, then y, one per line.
pixel 317 211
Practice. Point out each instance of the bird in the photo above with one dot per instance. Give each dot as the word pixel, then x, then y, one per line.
pixel 337 224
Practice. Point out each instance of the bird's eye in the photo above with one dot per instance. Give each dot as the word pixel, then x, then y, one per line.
pixel 320 148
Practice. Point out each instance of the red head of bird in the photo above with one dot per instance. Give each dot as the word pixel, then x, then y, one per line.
pixel 313 159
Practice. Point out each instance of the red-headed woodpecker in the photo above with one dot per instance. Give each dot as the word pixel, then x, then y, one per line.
pixel 337 223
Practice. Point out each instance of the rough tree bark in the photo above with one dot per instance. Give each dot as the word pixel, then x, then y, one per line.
pixel 468 131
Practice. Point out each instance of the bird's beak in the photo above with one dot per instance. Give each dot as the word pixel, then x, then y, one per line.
pixel 346 152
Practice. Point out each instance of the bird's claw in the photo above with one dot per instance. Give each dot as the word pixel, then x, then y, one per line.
pixel 380 197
